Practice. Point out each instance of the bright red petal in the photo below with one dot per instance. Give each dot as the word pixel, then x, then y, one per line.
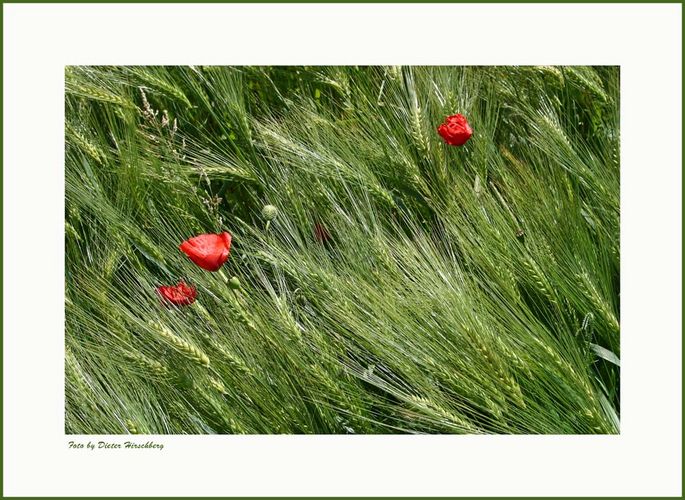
pixel 209 251
pixel 179 295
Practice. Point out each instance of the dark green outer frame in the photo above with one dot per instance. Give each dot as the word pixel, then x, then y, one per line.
pixel 298 2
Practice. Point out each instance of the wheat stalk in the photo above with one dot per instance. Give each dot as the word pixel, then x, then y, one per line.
pixel 183 346
pixel 149 365
pixel 450 418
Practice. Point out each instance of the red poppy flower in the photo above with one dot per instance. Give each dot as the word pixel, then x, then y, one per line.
pixel 209 251
pixel 456 130
pixel 321 233
pixel 179 295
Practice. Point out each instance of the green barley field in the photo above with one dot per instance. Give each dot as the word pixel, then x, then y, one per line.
pixel 379 280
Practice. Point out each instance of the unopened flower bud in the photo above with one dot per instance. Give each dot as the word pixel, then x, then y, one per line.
pixel 234 283
pixel 269 212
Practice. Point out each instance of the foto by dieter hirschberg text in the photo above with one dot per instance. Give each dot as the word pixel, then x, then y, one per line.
pixel 108 445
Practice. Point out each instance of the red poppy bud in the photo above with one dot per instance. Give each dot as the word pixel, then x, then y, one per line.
pixel 179 295
pixel 456 130
pixel 209 251
pixel 321 233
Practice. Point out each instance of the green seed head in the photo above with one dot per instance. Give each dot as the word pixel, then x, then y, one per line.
pixel 234 283
pixel 269 212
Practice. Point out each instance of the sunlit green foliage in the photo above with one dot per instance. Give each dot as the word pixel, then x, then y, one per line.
pixel 464 289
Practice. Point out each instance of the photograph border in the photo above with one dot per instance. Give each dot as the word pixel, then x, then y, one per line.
pixel 38 107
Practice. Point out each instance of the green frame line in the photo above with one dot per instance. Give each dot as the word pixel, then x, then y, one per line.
pixel 2 211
